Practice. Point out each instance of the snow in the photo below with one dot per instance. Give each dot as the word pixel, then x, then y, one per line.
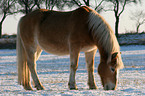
pixel 53 72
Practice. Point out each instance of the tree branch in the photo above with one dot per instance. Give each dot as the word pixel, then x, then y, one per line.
pixel 123 8
pixel 108 10
pixel 116 8
pixel 37 4
pixel 86 2
pixel 24 2
pixel 142 22
pixel 32 6
pixel 99 5
pixel 3 18
pixel 77 3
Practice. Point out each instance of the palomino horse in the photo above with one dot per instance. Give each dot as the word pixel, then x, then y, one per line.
pixel 64 33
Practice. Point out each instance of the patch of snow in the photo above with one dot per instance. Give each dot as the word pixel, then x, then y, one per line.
pixel 53 72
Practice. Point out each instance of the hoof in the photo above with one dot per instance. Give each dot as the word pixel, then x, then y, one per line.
pixel 28 88
pixel 93 88
pixel 40 87
pixel 72 86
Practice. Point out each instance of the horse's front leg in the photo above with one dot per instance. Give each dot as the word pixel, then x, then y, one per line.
pixel 73 67
pixel 90 66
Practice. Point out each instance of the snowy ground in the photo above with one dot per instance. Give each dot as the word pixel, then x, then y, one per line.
pixel 53 72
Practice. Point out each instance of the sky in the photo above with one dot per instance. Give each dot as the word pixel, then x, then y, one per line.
pixel 126 24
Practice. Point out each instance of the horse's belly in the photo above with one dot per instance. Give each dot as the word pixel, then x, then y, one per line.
pixel 65 51
pixel 88 48
pixel 55 49
pixel 57 52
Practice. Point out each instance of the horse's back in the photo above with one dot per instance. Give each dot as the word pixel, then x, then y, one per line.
pixel 55 31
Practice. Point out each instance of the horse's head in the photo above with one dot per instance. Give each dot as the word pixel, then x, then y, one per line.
pixel 108 72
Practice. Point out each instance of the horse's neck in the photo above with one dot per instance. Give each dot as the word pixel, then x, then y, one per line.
pixel 104 54
pixel 102 34
pixel 108 47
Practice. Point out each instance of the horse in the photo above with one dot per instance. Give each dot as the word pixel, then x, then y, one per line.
pixel 63 33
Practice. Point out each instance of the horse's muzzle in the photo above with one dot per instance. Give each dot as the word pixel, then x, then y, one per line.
pixel 110 86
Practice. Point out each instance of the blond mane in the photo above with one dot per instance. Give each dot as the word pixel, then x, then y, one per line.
pixel 104 35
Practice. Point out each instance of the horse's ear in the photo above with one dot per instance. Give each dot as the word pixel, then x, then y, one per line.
pixel 114 56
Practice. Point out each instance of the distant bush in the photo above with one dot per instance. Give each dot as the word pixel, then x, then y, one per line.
pixel 132 33
pixel 9 36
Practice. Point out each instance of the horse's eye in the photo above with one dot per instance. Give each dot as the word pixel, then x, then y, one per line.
pixel 112 69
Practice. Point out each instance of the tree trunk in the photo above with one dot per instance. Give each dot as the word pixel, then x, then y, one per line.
pixel 137 29
pixel 116 26
pixel 1 23
pixel 0 30
pixel 87 3
pixel 26 7
pixel 116 10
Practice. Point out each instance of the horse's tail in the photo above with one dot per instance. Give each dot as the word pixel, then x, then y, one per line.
pixel 23 70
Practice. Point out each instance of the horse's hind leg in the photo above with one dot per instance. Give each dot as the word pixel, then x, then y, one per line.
pixel 27 85
pixel 32 56
pixel 74 55
pixel 90 66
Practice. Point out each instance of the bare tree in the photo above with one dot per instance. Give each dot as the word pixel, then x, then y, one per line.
pixel 139 17
pixel 28 5
pixel 50 4
pixel 7 7
pixel 118 8
pixel 95 4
